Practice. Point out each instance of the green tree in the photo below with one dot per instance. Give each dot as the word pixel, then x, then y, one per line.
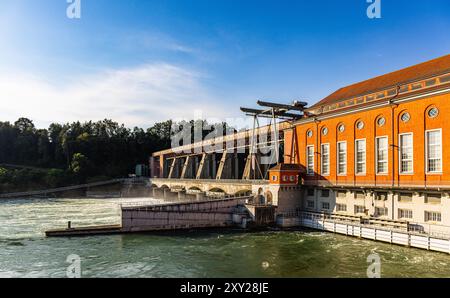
pixel 79 150
pixel 3 175
pixel 24 125
pixel 55 178
pixel 79 164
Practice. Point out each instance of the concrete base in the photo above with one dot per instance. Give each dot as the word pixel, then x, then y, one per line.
pixel 206 214
pixel 262 215
pixel 286 223
pixel 158 193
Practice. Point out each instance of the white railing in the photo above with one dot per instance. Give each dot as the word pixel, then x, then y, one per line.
pixel 413 228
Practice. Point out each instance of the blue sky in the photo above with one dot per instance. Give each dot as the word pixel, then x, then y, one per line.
pixel 144 61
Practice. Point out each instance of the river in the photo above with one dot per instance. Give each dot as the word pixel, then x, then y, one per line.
pixel 25 252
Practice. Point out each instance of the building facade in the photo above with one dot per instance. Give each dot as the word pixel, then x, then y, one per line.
pixel 379 148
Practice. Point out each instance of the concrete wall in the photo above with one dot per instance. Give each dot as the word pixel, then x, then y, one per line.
pixel 134 221
pixel 285 198
pixel 217 213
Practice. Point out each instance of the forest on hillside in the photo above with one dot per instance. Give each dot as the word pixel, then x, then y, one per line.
pixel 72 153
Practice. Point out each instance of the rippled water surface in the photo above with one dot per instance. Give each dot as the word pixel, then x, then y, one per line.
pixel 25 252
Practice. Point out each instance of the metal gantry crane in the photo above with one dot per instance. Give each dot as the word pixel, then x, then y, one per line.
pixel 274 112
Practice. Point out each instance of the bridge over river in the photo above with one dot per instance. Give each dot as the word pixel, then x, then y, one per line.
pixel 208 186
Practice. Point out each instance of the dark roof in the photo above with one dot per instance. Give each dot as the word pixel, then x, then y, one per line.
pixel 416 72
pixel 286 167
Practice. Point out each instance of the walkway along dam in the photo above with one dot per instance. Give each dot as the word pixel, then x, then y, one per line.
pixel 370 160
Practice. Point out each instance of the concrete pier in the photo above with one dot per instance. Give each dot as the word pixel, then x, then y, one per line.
pixel 158 193
pixel 200 196
pixel 85 231
pixel 198 214
pixel 182 195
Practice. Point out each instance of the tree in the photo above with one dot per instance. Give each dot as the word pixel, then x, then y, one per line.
pixel 55 178
pixel 3 175
pixel 81 150
pixel 79 165
pixel 24 125
pixel 44 147
pixel 162 131
pixel 8 135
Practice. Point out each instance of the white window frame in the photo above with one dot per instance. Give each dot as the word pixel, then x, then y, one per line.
pixel 383 214
pixel 365 157
pixel 322 172
pixel 378 173
pixel 337 158
pixel 310 172
pixel 340 209
pixel 435 215
pixel 402 212
pixel 427 160
pixel 358 207
pixel 400 153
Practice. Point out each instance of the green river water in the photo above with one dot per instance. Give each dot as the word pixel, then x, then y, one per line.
pixel 25 252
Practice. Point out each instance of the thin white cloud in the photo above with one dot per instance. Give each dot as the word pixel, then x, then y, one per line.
pixel 154 40
pixel 134 96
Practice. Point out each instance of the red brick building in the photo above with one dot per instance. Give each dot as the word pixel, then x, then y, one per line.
pixel 379 147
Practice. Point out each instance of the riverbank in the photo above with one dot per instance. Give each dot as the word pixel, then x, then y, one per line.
pixel 116 188
pixel 26 179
